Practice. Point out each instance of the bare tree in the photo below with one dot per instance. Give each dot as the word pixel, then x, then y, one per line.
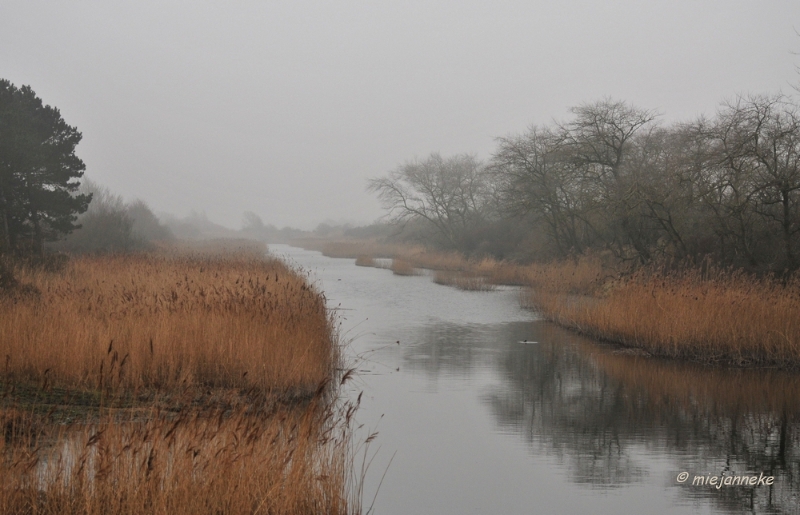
pixel 599 139
pixel 451 194
pixel 533 174
pixel 758 172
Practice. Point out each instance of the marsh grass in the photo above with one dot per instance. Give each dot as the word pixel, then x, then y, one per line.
pixel 417 255
pixel 289 461
pixel 719 316
pixel 200 378
pixel 167 321
pixel 352 248
pixel 712 316
pixel 402 267
pixel 366 260
pixel 462 281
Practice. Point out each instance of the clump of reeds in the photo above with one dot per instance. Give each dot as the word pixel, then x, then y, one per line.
pixel 434 260
pixel 502 272
pixel 212 248
pixel 366 260
pixel 585 275
pixel 351 248
pixel 462 280
pixel 167 321
pixel 722 316
pixel 190 380
pixel 402 267
pixel 417 255
pixel 289 461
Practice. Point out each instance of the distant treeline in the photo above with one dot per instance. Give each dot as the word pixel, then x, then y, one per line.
pixel 111 225
pixel 45 204
pixel 613 178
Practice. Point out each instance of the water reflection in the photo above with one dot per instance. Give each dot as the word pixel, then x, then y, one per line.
pixel 608 416
pixel 451 349
pixel 599 432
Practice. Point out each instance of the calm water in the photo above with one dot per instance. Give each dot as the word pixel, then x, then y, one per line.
pixel 474 421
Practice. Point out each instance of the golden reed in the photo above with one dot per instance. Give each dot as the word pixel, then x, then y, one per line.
pixel 724 317
pixel 712 316
pixel 194 336
pixel 162 321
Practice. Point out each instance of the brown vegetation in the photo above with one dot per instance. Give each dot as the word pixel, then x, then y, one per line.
pixel 291 461
pixel 168 320
pixel 366 260
pixel 402 267
pixel 716 316
pixel 416 255
pixel 462 281
pixel 349 248
pixel 189 380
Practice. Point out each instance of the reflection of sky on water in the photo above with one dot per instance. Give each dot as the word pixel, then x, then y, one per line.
pixel 485 424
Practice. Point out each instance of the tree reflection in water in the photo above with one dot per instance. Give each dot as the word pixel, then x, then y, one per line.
pixel 605 414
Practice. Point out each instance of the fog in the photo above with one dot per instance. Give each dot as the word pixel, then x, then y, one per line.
pixel 285 109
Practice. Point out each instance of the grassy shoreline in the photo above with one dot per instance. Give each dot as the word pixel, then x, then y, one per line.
pixel 187 380
pixel 714 316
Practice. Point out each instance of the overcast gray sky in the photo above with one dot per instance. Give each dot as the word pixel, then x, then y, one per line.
pixel 286 108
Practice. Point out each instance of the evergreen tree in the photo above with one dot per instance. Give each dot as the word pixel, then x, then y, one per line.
pixel 38 172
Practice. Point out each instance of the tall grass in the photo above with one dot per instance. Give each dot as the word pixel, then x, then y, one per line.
pixel 713 316
pixel 366 260
pixel 166 321
pixel 351 248
pixel 402 267
pixel 227 361
pixel 290 462
pixel 462 281
pixel 725 317
pixel 365 252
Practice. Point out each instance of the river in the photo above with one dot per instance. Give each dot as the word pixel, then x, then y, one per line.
pixel 482 407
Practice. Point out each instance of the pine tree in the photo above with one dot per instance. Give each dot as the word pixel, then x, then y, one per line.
pixel 38 172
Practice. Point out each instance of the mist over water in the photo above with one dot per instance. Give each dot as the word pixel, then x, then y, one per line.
pixel 474 420
pixel 655 133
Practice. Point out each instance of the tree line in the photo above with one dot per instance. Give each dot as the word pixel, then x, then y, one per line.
pixel 613 178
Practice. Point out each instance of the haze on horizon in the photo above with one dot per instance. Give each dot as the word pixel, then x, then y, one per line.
pixel 286 109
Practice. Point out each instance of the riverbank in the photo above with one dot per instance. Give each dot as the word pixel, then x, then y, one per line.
pixel 714 316
pixel 718 317
pixel 187 380
pixel 516 397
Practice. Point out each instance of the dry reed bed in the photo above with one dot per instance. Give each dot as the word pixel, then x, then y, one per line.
pixel 366 260
pixel 417 256
pixel 288 462
pixel 462 281
pixel 167 321
pixel 207 333
pixel 402 267
pixel 713 317
pixel 351 248
pixel 720 317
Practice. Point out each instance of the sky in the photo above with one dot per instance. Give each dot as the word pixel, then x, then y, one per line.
pixel 287 108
